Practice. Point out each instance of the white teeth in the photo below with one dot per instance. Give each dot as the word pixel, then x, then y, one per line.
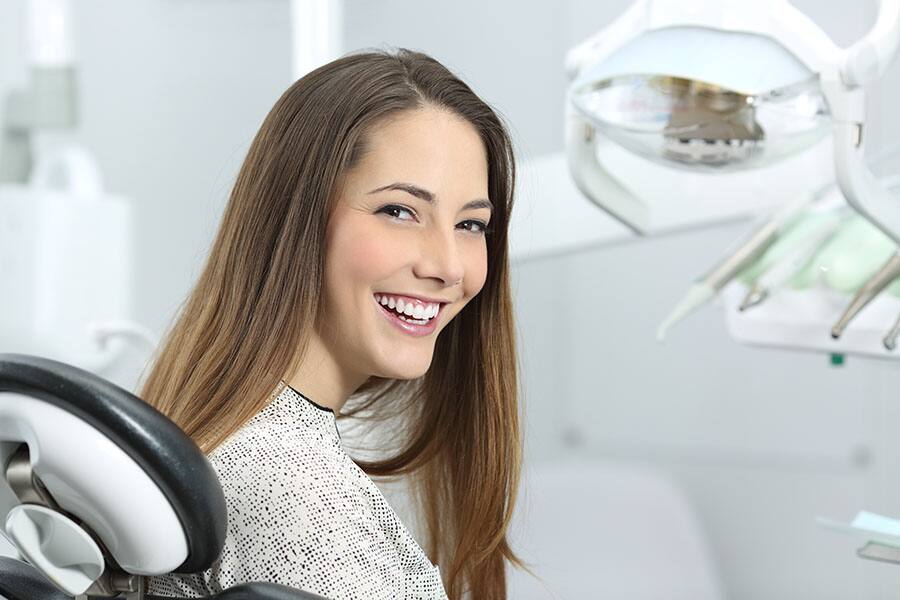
pixel 416 311
pixel 416 321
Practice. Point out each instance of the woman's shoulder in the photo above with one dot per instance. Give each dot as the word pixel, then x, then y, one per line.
pixel 296 504
pixel 286 428
pixel 264 451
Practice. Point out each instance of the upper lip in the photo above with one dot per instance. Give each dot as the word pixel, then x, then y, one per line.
pixel 423 299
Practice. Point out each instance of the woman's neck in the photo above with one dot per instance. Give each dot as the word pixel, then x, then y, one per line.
pixel 322 379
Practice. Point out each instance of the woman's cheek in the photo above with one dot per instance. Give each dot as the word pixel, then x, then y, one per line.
pixel 476 274
pixel 372 256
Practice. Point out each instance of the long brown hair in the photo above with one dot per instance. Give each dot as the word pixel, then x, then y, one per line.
pixel 246 323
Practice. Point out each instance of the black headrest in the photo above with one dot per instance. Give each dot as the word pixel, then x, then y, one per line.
pixel 166 453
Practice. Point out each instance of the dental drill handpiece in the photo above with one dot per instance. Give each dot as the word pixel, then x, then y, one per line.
pixel 705 288
pixel 787 267
pixel 751 250
pixel 880 280
pixel 890 340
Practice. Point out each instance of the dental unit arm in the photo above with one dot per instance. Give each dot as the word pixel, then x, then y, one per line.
pixel 844 88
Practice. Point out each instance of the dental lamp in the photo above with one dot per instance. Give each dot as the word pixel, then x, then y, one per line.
pixel 723 86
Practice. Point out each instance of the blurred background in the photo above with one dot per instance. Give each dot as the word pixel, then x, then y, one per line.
pixel 690 469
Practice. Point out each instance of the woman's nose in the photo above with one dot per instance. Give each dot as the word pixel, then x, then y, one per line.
pixel 440 258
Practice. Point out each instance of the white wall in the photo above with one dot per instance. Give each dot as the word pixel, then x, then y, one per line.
pixel 172 93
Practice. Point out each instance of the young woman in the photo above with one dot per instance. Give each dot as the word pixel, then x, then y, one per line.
pixel 360 268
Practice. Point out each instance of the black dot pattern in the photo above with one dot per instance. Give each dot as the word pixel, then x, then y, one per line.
pixel 301 513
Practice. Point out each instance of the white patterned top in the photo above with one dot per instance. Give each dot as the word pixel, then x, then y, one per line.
pixel 301 513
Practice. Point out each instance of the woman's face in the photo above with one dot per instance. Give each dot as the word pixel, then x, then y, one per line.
pixel 407 233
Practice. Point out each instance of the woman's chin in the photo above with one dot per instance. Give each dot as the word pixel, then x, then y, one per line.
pixel 406 372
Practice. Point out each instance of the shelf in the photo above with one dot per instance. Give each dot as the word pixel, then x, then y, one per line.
pixel 803 320
pixel 880 552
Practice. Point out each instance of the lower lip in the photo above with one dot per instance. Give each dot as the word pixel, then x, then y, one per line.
pixel 407 327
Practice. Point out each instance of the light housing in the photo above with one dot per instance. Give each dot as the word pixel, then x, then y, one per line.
pixel 666 81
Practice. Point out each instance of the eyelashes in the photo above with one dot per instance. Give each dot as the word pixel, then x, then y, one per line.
pixel 484 228
pixel 393 208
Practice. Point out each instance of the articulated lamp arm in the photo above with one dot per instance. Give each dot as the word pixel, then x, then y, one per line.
pixel 863 62
pixel 593 179
pixel 870 57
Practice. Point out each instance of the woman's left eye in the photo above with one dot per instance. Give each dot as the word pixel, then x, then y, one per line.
pixel 390 209
pixel 482 226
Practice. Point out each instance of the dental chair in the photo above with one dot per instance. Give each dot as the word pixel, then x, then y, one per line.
pixel 98 490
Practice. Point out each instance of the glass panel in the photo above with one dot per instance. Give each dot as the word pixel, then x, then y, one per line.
pixel 701 126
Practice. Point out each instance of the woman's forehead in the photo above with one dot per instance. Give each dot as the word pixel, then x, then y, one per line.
pixel 427 147
pixel 425 140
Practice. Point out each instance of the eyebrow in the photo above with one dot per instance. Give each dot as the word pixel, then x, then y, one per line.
pixel 427 196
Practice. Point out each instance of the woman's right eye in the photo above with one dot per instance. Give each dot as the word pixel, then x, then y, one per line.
pixel 393 209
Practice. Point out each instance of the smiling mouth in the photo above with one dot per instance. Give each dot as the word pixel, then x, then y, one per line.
pixel 422 315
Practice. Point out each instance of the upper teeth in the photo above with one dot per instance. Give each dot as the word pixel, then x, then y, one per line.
pixel 408 308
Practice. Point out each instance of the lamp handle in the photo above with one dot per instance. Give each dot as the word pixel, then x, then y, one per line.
pixel 857 183
pixel 595 181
